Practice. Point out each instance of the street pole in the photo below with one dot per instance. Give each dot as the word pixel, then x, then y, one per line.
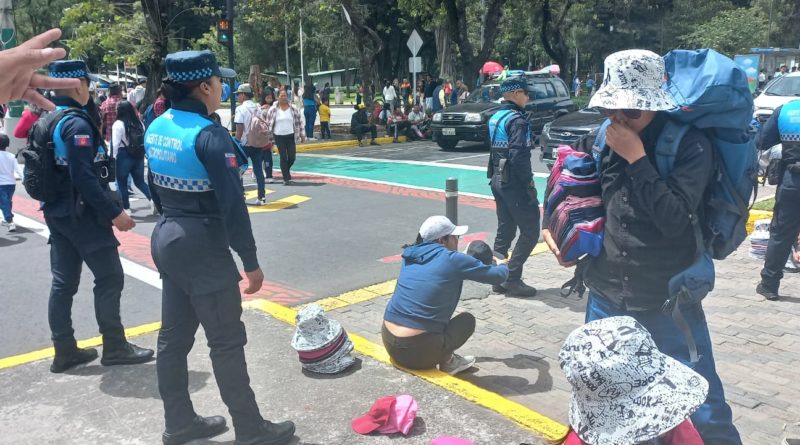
pixel 286 46
pixel 230 13
pixel 483 20
pixel 769 31
pixel 302 68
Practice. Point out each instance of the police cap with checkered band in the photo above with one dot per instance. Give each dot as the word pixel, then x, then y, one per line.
pixel 69 69
pixel 186 66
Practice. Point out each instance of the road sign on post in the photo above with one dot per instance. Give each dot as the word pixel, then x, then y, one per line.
pixel 414 63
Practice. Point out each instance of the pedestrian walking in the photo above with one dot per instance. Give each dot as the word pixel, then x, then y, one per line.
pixel 196 168
pixel 783 127
pixel 430 86
pixel 267 100
pixel 285 129
pixel 243 118
pixel 136 95
pixel 589 84
pixel 325 119
pixel 127 144
pixel 309 110
pixel 108 110
pixel 10 170
pixel 360 125
pixel 517 205
pixel 418 331
pixel 389 96
pixel 649 237
pixel 81 228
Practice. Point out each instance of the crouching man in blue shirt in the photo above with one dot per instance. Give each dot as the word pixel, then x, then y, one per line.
pixel 417 331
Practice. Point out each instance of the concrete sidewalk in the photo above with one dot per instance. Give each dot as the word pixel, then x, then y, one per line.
pixel 757 343
pixel 120 405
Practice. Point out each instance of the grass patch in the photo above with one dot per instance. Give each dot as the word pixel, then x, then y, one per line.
pixel 766 204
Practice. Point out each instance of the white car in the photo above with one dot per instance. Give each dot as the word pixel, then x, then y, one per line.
pixel 777 92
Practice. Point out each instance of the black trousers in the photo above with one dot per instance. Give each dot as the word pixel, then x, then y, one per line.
pixel 325 130
pixel 66 262
pixel 515 211
pixel 783 231
pixel 426 350
pixel 361 129
pixel 288 153
pixel 188 303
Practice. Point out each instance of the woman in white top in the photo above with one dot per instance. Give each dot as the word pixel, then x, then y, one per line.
pixel 127 143
pixel 285 127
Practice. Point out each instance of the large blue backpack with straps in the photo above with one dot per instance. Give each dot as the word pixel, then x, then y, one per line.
pixel 713 96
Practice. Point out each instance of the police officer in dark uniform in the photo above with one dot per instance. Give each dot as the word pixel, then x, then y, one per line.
pixel 512 184
pixel 783 127
pixel 80 220
pixel 195 166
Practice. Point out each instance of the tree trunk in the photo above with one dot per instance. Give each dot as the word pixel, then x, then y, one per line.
pixel 156 15
pixel 553 39
pixel 255 81
pixel 370 45
pixel 459 32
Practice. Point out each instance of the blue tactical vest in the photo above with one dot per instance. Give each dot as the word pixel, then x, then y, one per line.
pixel 789 122
pixel 59 148
pixel 170 146
pixel 498 133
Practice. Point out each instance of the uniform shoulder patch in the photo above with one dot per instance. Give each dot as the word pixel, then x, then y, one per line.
pixel 230 160
pixel 82 140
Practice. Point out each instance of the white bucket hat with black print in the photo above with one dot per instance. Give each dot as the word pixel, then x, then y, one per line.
pixel 633 79
pixel 624 390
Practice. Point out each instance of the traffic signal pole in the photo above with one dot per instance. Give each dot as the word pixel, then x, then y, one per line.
pixel 230 12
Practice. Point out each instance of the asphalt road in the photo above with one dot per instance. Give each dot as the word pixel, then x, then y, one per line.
pixel 321 237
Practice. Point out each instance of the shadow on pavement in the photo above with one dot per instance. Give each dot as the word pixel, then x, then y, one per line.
pixel 135 381
pixel 552 297
pixel 12 240
pixel 512 385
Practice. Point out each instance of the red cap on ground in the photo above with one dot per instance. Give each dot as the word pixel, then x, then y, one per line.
pixel 377 416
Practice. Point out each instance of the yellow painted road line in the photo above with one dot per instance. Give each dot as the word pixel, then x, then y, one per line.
pixel 540 248
pixel 755 215
pixel 333 145
pixel 42 354
pixel 253 194
pixel 522 415
pixel 274 206
pixel 357 296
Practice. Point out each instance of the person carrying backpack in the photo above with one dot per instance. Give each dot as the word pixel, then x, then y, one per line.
pixel 654 207
pixel 127 142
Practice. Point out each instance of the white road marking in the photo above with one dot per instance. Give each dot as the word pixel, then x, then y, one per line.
pixel 462 157
pixel 134 270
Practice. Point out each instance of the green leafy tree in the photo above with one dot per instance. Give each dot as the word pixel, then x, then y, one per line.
pixel 730 32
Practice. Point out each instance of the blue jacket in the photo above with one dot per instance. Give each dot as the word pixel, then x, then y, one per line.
pixel 430 282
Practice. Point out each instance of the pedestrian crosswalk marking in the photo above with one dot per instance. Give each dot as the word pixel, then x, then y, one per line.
pixel 273 206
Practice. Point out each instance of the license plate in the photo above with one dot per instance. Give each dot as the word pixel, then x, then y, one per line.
pixel 448 131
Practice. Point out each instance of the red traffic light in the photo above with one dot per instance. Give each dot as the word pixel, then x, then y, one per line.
pixel 223 24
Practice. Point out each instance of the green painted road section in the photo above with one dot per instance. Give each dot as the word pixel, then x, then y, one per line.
pixel 402 173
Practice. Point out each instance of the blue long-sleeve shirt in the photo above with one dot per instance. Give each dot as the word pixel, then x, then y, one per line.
pixel 430 283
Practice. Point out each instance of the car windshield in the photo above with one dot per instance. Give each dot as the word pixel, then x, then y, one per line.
pixel 486 93
pixel 784 86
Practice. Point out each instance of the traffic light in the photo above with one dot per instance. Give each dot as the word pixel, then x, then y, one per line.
pixel 224 31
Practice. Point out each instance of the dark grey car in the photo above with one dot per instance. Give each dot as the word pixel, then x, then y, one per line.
pixel 566 130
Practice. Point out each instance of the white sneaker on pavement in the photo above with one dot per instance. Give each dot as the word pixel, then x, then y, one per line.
pixel 4 223
pixel 457 364
pixel 12 227
pixel 270 180
pixel 262 201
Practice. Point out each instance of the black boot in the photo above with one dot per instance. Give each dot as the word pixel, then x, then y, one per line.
pixel 201 427
pixel 270 434
pixel 125 354
pixel 768 292
pixel 517 288
pixel 71 358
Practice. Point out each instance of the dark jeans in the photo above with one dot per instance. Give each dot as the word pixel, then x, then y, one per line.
pixel 325 130
pixel 713 419
pixel 288 153
pixel 66 263
pixel 6 193
pixel 310 114
pixel 133 166
pixel 783 231
pixel 426 350
pixel 219 314
pixel 400 128
pixel 256 156
pixel 267 155
pixel 361 129
pixel 514 210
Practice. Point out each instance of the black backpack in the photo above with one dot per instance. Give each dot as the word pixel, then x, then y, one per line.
pixel 135 145
pixel 39 177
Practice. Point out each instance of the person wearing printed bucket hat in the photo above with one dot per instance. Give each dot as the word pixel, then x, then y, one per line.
pixel 418 331
pixel 624 390
pixel 321 343
pixel 649 237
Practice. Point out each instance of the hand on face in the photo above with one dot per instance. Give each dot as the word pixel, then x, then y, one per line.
pixel 625 141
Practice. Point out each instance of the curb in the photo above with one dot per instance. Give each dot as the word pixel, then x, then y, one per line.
pixel 755 215
pixel 345 143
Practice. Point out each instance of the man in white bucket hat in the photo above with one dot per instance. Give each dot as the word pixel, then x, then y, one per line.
pixel 649 236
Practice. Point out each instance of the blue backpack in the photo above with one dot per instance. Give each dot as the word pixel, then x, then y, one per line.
pixel 713 96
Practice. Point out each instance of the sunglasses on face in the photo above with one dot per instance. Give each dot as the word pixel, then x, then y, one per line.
pixel 630 114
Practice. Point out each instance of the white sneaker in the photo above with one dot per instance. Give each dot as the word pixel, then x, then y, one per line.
pixel 4 223
pixel 262 201
pixel 457 364
pixel 12 227
pixel 270 180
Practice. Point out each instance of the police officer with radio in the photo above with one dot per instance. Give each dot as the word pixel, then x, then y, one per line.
pixel 783 127
pixel 512 184
pixel 196 167
pixel 80 217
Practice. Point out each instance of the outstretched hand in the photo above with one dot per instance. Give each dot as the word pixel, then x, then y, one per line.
pixel 551 244
pixel 18 65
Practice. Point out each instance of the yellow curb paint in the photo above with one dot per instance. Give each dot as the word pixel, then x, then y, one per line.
pixel 525 417
pixel 339 144
pixel 280 204
pixel 42 354
pixel 755 215
pixel 540 248
pixel 253 194
pixel 357 296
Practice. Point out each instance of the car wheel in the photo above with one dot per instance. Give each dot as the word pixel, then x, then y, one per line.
pixel 447 144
